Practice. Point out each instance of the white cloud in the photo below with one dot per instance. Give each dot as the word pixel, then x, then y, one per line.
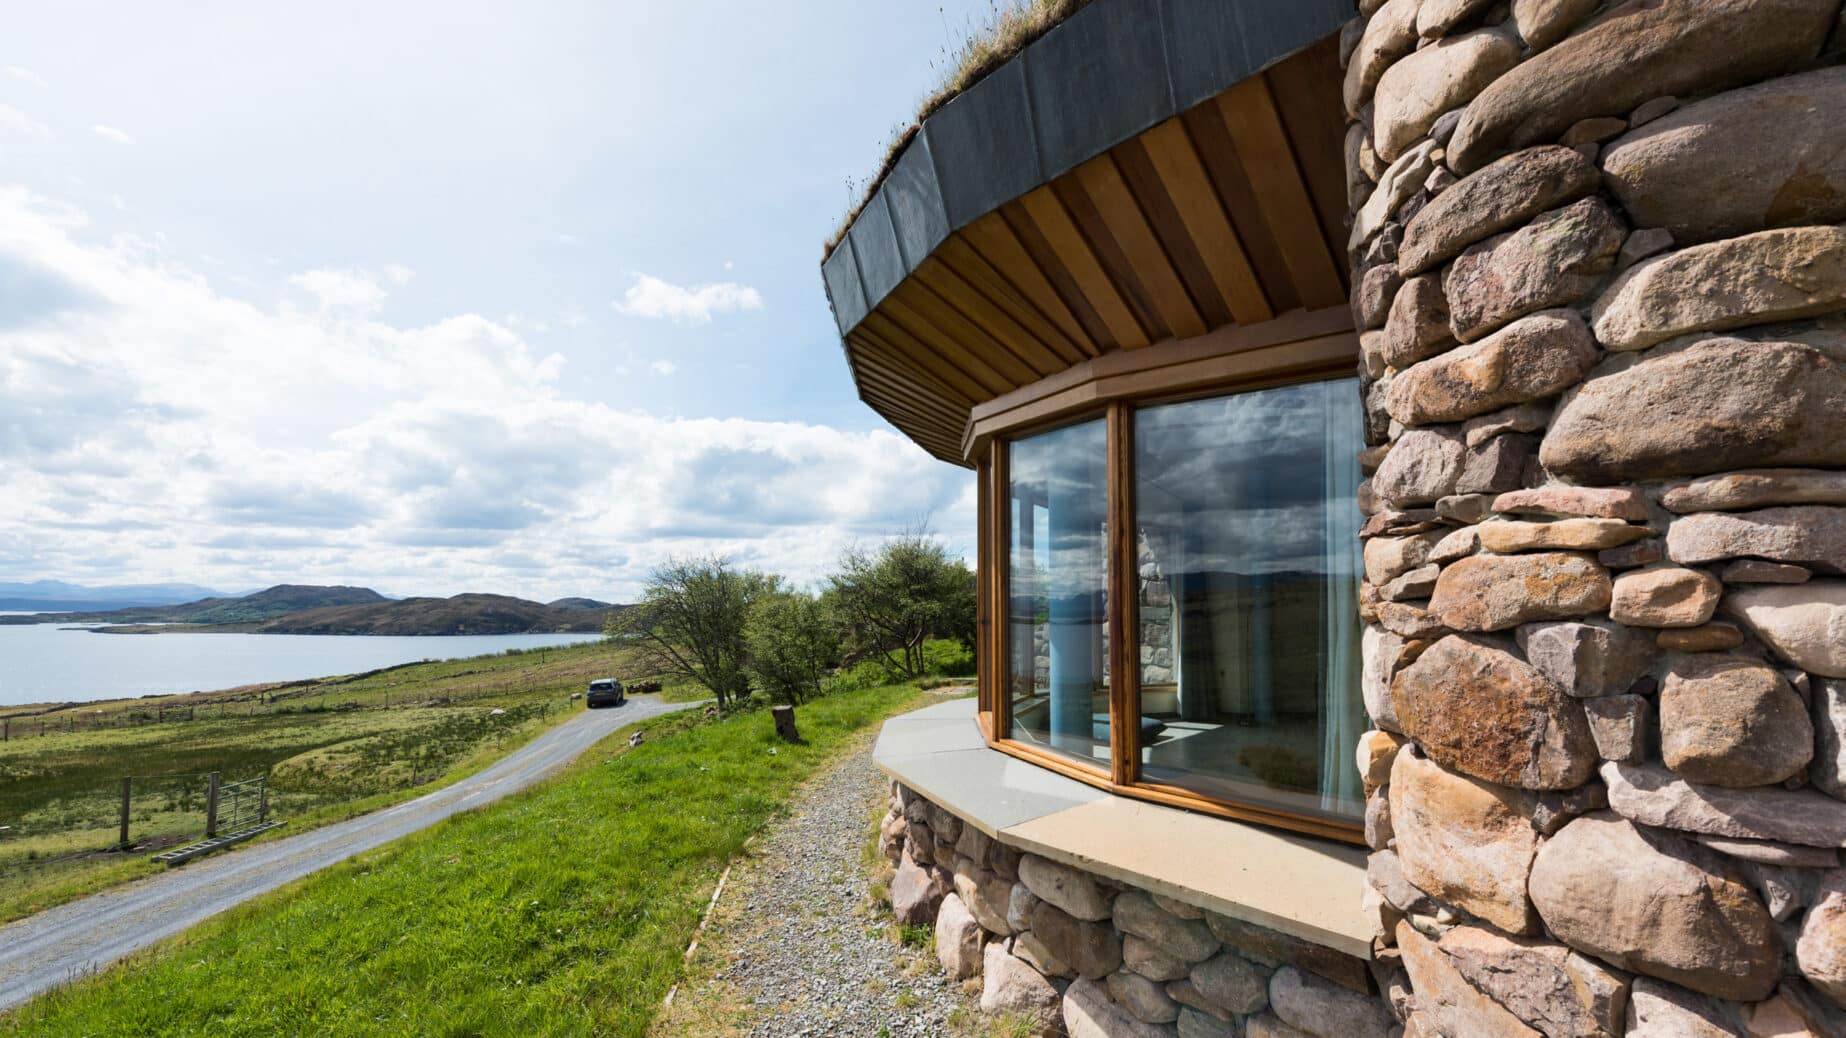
pixel 353 290
pixel 653 298
pixel 399 274
pixel 25 75
pixel 157 429
pixel 111 133
pixel 662 367
pixel 12 120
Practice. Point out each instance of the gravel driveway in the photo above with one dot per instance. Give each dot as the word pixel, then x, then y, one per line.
pixel 65 942
pixel 797 945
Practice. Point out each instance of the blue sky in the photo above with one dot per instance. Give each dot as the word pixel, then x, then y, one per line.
pixel 444 297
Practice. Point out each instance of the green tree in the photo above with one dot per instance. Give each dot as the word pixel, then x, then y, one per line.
pixel 792 643
pixel 691 619
pixel 890 602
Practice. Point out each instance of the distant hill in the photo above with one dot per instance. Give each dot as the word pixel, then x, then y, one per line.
pixel 462 614
pixel 580 603
pixel 263 605
pixel 47 595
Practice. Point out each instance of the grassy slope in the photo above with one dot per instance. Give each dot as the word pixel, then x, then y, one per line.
pixel 60 791
pixel 562 911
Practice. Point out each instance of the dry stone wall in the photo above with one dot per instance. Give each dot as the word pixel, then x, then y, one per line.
pixel 1600 273
pixel 1083 956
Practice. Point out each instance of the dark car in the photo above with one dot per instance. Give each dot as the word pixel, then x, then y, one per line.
pixel 605 692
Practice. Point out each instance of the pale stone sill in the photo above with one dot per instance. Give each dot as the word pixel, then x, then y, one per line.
pixel 1299 885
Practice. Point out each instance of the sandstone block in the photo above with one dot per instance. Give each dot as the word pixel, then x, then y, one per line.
pixel 1422 85
pixel 1643 244
pixel 1075 892
pixel 1590 658
pixel 1436 17
pixel 1477 708
pixel 1640 52
pixel 1380 651
pixel 1668 596
pixel 1657 1010
pixel 985 894
pixel 1656 904
pixel 1465 508
pixel 1772 275
pixel 1268 1025
pixel 1446 1001
pixel 1712 637
pixel 917 892
pixel 1196 1024
pixel 1652 795
pixel 1552 261
pixel 1009 985
pixel 1521 418
pixel 1505 194
pixel 1534 357
pixel 1091 950
pixel 1319 1007
pixel 1542 23
pixel 958 939
pixel 1804 623
pixel 1757 488
pixel 1828 772
pixel 1763 156
pixel 1813 536
pixel 1148 1001
pixel 1756 571
pixel 1376 752
pixel 1467 842
pixel 1619 724
pixel 1398 183
pixel 1375 295
pixel 1730 721
pixel 1494 593
pixel 1719 404
pixel 1418 583
pixel 1770 852
pixel 1424 466
pixel 1089 1012
pixel 1188 939
pixel 1458 545
pixel 1388 36
pixel 1821 950
pixel 1231 984
pixel 1590 502
pixel 1499 465
pixel 1146 958
pixel 1562 535
pixel 1418 326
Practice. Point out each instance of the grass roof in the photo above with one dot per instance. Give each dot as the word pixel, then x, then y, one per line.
pixel 1005 32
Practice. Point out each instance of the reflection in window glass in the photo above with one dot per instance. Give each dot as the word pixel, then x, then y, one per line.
pixel 1058 583
pixel 1248 566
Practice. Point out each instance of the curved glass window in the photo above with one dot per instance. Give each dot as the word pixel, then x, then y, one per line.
pixel 1237 561
pixel 1248 569
pixel 1057 578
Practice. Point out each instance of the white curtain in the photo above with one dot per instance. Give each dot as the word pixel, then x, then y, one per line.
pixel 1341 706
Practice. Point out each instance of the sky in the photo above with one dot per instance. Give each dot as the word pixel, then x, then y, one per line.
pixel 445 297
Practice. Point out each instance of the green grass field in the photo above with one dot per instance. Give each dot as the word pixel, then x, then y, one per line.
pixel 560 911
pixel 334 747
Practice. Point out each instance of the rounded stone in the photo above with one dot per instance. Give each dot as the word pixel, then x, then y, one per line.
pixel 1532 358
pixel 1467 842
pixel 1731 721
pixel 1667 596
pixel 1497 592
pixel 1821 949
pixel 1804 623
pixel 1654 903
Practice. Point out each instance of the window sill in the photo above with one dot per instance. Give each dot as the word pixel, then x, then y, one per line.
pixel 1298 885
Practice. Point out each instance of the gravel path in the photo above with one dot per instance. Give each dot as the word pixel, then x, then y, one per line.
pixel 799 947
pixel 58 944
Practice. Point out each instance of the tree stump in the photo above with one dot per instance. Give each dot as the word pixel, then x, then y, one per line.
pixel 785 723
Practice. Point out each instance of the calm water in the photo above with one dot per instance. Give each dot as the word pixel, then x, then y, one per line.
pixel 45 663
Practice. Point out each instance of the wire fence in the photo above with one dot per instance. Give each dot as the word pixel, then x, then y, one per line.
pixel 53 822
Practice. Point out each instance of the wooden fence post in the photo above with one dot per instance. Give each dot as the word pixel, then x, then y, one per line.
pixel 125 794
pixel 211 807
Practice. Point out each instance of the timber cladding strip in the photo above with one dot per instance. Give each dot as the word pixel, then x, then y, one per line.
pixel 1214 199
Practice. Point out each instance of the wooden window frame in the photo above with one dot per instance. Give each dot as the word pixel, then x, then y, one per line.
pixel 1115 386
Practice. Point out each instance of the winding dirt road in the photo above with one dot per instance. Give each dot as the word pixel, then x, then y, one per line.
pixel 66 942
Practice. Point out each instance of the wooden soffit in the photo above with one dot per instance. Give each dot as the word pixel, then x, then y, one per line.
pixel 1148 171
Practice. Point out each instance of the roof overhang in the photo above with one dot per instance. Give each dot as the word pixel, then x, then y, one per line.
pixel 1148 171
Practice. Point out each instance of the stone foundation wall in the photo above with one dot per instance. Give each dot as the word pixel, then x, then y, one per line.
pixel 1602 286
pixel 1094 959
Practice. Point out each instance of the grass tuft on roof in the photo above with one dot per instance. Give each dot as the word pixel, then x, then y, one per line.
pixel 998 39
